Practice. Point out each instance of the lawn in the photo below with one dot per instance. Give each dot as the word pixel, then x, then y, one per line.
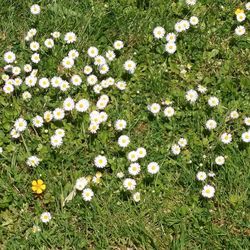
pixel 172 212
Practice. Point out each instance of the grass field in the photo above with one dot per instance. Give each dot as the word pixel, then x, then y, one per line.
pixel 171 214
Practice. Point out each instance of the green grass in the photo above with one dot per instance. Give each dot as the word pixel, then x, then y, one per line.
pixel 171 214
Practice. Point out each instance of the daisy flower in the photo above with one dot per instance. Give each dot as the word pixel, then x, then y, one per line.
pixel 5 77
pixel 30 81
pixel 18 81
pixel 38 186
pixel 34 46
pixel 123 141
pixel 20 125
pixel 100 161
pixel 103 69
pixel 58 114
pixel 170 47
pixel 87 70
pixel 202 89
pixel 191 2
pixel 35 58
pixel 56 81
pixel 171 37
pixel 92 80
pixel 134 168
pixel 110 55
pixel 121 85
pixel 81 183
pixel 175 149
pixel 226 138
pixel 95 117
pixel 120 175
pixel 101 104
pixel 234 114
pixel 49 43
pixel 14 134
pixel 211 174
pixel 120 125
pixel 213 101
pixel 137 196
pixel 191 96
pixel 64 86
pixel 178 27
pixel 56 34
pixel 208 191
pixel 82 105
pixel 247 121
pixel 9 57
pixel 194 20
pixel 141 152
pixel 70 37
pixel 159 32
pixel 132 156
pixel 185 24
pixel 87 194
pixel 103 116
pixel 129 184
pixel 33 161
pixel 73 54
pixel 56 141
pixel 211 124
pixel 67 62
pixel 76 80
pixel 240 30
pixel 35 9
pixel 92 52
pixel 48 116
pixel 118 44
pixel 45 217
pixel 32 32
pixel 37 121
pixel 130 66
pixel 8 88
pixel 44 83
pixel 182 142
pixel 247 5
pixel 93 127
pixel 220 160
pixel 99 60
pixel 169 112
pixel 60 132
pixel 68 104
pixel 246 136
pixel 26 95
pixel 201 176
pixel 154 108
pixel 241 17
pixel 153 168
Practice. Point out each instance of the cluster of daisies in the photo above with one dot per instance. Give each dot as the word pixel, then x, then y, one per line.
pixel 241 17
pixel 29 77
pixel 133 157
pixel 213 101
pixel 208 190
pixel 179 27
pixel 168 111
pixel 226 137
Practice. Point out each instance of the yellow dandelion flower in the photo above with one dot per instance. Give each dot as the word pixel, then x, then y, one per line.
pixel 38 186
pixel 238 11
